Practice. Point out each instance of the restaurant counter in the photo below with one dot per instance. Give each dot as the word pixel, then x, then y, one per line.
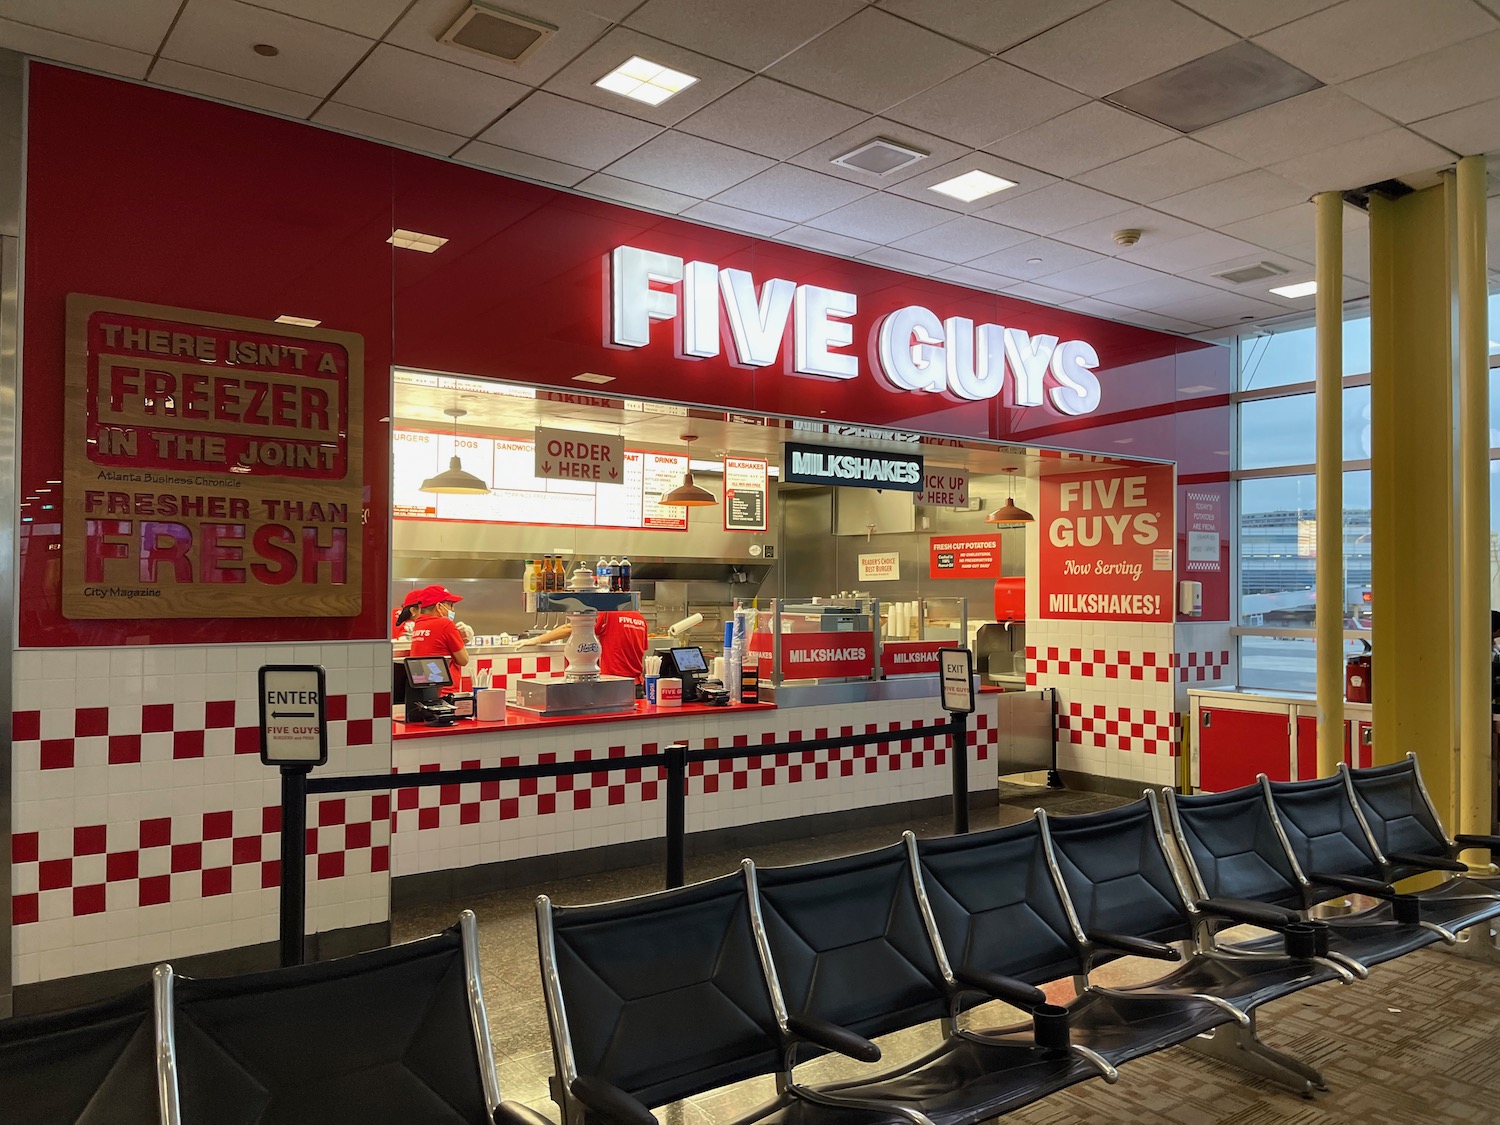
pixel 517 718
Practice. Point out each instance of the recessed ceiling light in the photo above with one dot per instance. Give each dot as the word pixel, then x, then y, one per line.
pixel 645 81
pixel 592 377
pixel 972 185
pixel 1033 261
pixel 1200 389
pixel 299 321
pixel 1124 440
pixel 411 240
pixel 1301 289
pixel 265 50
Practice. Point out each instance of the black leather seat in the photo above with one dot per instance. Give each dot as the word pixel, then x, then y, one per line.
pixel 390 1037
pixel 851 946
pixel 86 1066
pixel 999 910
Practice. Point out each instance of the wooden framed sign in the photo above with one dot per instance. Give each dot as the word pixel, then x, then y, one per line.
pixel 213 465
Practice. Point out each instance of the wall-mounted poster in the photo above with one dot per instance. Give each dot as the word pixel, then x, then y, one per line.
pixel 212 465
pixel 1105 545
pixel 745 494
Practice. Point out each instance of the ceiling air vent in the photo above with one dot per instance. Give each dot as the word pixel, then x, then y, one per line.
pixel 880 156
pixel 1246 274
pixel 498 34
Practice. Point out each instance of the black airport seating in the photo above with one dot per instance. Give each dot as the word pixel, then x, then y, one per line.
pixel 86 1066
pixel 390 1037
pixel 1129 899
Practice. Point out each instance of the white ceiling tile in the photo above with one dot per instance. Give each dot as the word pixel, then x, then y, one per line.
pixel 793 194
pixel 219 34
pixel 819 158
pixel 1307 123
pixel 1165 323
pixel 825 241
pixel 1465 131
pixel 962 240
pixel 370 18
pixel 1289 230
pixel 749 35
pixel 1061 205
pixel 880 217
pixel 986 102
pixel 352 119
pixel 1257 16
pixel 1182 254
pixel 1168 169
pixel 1446 79
pixel 985 24
pixel 1222 310
pixel 228 88
pixel 513 163
pixel 689 165
pixel 1383 156
pixel 1100 277
pixel 1015 261
pixel 576 80
pixel 1083 138
pixel 1118 44
pixel 903 260
pixel 44 44
pixel 571 132
pixel 422 27
pixel 874 60
pixel 1041 294
pixel 716 214
pixel 138 26
pixel 1158 291
pixel 636 195
pixel 919 187
pixel 772 118
pixel 979 279
pixel 1239 197
pixel 428 91
pixel 1093 306
pixel 1358 36
pixel 1155 227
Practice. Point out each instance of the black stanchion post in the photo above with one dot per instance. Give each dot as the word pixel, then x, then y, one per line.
pixel 293 863
pixel 676 813
pixel 959 757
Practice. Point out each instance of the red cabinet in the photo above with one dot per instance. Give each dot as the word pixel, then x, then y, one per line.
pixel 1236 743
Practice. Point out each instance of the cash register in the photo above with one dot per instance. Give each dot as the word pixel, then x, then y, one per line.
pixel 688 665
pixel 426 676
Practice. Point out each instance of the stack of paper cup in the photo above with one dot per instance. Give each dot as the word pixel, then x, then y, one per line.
pixel 717 671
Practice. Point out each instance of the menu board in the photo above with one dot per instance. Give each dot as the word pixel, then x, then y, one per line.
pixel 518 495
pixel 744 494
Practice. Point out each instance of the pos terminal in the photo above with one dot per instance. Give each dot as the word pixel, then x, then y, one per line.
pixel 425 676
pixel 688 665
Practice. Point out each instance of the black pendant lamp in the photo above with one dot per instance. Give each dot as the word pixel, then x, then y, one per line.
pixel 454 480
pixel 687 494
pixel 1010 512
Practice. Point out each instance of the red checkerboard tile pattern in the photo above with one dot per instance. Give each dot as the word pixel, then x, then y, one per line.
pixel 113 735
pixel 1199 667
pixel 1108 664
pixel 166 859
pixel 1120 728
pixel 445 806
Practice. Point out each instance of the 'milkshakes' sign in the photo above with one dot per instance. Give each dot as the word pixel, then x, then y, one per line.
pixel 850 468
pixel 212 465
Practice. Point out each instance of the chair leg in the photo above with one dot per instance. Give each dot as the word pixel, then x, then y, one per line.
pixel 1239 1047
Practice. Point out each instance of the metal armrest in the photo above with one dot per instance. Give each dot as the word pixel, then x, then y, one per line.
pixel 514 1113
pixel 831 1037
pixel 1134 946
pixel 1252 913
pixel 1012 991
pixel 1468 841
pixel 1428 862
pixel 610 1102
pixel 1354 883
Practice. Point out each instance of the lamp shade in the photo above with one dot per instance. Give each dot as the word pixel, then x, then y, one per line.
pixel 1010 513
pixel 455 480
pixel 688 495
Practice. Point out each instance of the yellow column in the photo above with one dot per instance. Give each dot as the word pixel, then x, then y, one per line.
pixel 1411 438
pixel 1476 788
pixel 1329 618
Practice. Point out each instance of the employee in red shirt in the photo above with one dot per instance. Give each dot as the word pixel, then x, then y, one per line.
pixel 409 609
pixel 435 633
pixel 622 642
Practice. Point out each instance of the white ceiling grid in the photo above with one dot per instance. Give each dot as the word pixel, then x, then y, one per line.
pixel 1011 87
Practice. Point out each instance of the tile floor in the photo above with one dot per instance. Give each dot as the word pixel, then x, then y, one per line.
pixel 1418 1042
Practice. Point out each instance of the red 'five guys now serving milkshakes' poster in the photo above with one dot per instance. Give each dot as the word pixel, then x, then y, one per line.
pixel 1106 545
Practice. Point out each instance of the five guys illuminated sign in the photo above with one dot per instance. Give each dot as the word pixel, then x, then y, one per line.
pixel 914 349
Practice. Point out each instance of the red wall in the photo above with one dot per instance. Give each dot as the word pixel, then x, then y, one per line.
pixel 145 195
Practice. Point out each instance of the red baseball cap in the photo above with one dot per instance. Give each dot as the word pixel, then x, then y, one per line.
pixel 413 598
pixel 432 595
